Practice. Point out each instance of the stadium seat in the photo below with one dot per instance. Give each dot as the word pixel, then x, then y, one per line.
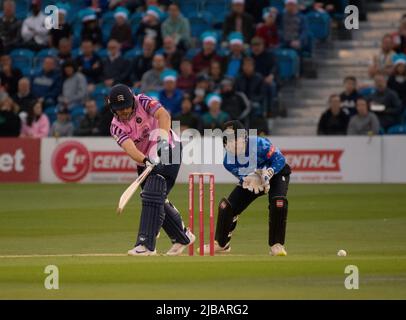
pixel 366 92
pixel 76 52
pixel 217 8
pixel 398 129
pixel 77 113
pixel 23 59
pixel 319 25
pixel 288 63
pixel 21 9
pixel 278 4
pixel 131 54
pixel 99 95
pixel 189 7
pixel 199 24
pixel 51 112
pixel 103 53
pixel 107 24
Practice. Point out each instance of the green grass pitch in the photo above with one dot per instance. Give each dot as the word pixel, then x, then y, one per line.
pixel 369 221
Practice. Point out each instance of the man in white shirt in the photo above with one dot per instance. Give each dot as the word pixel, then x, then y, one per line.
pixel 33 31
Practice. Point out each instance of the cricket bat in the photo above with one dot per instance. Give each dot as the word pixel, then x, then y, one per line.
pixel 129 192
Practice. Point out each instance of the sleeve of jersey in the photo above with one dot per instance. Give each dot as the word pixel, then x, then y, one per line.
pixel 234 170
pixel 271 155
pixel 118 134
pixel 148 104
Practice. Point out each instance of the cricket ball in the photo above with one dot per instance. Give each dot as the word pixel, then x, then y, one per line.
pixel 341 253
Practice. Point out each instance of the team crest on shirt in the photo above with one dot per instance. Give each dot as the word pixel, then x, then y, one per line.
pixel 138 120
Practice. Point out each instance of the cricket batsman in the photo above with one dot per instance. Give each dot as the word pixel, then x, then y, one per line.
pixel 268 174
pixel 142 127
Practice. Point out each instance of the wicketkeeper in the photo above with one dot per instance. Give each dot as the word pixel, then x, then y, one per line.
pixel 142 127
pixel 266 173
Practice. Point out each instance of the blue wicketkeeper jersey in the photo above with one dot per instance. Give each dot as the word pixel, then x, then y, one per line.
pixel 260 153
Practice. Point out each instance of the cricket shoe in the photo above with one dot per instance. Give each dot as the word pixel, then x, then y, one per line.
pixel 141 250
pixel 217 248
pixel 177 248
pixel 278 250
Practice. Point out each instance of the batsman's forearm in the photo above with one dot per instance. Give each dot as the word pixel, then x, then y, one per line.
pixel 164 122
pixel 135 154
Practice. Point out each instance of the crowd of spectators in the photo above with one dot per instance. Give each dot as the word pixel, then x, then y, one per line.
pixel 362 110
pixel 227 71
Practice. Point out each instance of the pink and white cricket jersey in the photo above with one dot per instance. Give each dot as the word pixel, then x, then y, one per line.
pixel 142 128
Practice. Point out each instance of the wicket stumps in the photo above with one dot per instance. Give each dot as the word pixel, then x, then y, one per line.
pixel 201 209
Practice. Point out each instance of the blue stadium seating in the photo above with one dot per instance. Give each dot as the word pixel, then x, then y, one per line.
pixel 190 7
pixel 23 59
pixel 398 129
pixel 21 9
pixel 103 53
pixel 319 25
pixel 278 4
pixel 366 92
pixel 99 95
pixel 76 52
pixel 199 24
pixel 51 113
pixel 107 24
pixel 77 113
pixel 131 54
pixel 218 8
pixel 288 63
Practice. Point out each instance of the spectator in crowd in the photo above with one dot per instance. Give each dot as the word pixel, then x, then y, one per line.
pixel 252 84
pixel 264 60
pixel 151 80
pixel 234 103
pixel 187 119
pixel 234 59
pixel 115 67
pixel 173 56
pixel 199 95
pixel 170 96
pixel 33 31
pixel 239 21
pixel 397 80
pixel 216 75
pixel 363 122
pixel 36 123
pixel 9 76
pixel 142 62
pixel 89 63
pixel 177 27
pixel 64 50
pixel 215 117
pixel 64 30
pixel 10 123
pixel 268 30
pixel 24 97
pixel 62 127
pixel 99 6
pixel 121 30
pixel 399 38
pixel 47 83
pixel 90 124
pixel 150 26
pixel 349 96
pixel 294 27
pixel 334 120
pixel 383 61
pixel 10 28
pixel 90 28
pixel 74 87
pixel 385 103
pixel 201 62
pixel 256 8
pixel 186 79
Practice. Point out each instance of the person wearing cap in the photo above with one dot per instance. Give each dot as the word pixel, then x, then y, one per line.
pixel 201 61
pixel 294 27
pixel 10 28
pixel 64 29
pixel 121 30
pixel 150 26
pixel 33 31
pixel 234 59
pixel 142 128
pixel 170 96
pixel 397 80
pixel 177 26
pixel 90 27
pixel 36 123
pixel 63 126
pixel 239 21
pixel 268 30
pixel 151 80
pixel 215 117
pixel 115 68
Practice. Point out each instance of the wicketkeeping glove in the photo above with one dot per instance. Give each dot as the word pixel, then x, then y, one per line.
pixel 253 183
pixel 265 176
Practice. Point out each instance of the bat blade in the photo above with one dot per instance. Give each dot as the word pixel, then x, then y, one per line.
pixel 129 192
